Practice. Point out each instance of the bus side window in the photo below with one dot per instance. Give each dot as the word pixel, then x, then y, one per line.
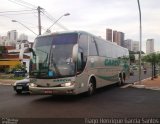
pixel 82 51
pixel 92 47
pixel 83 44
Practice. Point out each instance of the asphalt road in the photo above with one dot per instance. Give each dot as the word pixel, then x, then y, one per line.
pixel 108 102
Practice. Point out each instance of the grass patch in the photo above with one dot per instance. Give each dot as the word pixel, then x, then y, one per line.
pixel 18 78
pixel 10 76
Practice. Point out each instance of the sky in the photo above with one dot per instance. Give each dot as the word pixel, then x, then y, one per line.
pixel 93 16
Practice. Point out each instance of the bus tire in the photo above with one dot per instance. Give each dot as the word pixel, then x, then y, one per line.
pixel 123 78
pixel 91 87
pixel 119 81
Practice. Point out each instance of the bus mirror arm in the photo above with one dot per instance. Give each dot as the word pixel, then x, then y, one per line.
pixel 31 50
pixel 75 53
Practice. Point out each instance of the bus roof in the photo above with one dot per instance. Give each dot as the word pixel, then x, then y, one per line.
pixel 84 32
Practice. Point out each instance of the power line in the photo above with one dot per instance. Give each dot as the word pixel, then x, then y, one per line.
pixel 39 9
pixel 24 2
pixel 20 4
pixel 52 19
pixel 5 16
pixel 31 24
pixel 16 11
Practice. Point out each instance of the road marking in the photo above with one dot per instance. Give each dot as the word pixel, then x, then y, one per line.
pixel 127 85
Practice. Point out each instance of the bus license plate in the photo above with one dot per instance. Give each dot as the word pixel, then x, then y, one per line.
pixel 48 91
pixel 19 87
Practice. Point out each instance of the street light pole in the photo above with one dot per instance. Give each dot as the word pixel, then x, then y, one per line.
pixel 140 37
pixel 39 19
pixel 48 29
pixel 24 26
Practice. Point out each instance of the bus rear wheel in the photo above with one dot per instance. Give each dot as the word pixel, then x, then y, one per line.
pixel 121 79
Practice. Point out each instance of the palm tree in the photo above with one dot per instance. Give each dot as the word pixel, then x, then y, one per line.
pixel 154 59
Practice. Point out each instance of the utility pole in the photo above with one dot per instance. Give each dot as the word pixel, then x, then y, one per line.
pixel 140 37
pixel 39 19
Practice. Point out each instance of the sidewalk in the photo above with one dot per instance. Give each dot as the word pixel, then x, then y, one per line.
pixel 7 81
pixel 148 84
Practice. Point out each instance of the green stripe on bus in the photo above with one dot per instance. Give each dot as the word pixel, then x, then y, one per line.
pixel 109 78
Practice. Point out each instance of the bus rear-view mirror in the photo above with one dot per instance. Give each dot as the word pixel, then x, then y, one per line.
pixel 75 53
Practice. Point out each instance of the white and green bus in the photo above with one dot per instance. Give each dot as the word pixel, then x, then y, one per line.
pixel 76 62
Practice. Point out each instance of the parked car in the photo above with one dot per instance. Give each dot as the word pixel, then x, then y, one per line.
pixel 22 86
pixel 19 73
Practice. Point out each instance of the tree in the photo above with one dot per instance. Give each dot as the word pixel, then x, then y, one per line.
pixel 19 67
pixel 154 59
pixel 139 52
pixel 132 56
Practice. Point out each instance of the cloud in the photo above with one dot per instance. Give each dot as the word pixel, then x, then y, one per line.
pixel 93 16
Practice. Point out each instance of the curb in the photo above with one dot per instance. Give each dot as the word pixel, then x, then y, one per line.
pixel 138 85
pixel 134 83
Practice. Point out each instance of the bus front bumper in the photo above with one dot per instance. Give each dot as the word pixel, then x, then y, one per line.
pixel 52 90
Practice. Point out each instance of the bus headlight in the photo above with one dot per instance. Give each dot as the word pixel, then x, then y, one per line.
pixel 67 84
pixel 14 84
pixel 33 85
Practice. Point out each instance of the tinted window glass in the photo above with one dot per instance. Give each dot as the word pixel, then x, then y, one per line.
pixel 83 43
pixel 56 39
pixel 92 47
pixel 105 48
pixel 65 39
pixel 43 41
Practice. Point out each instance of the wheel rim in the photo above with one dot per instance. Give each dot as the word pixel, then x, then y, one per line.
pixel 91 88
pixel 119 82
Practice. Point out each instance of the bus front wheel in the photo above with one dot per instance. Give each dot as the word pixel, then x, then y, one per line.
pixel 91 87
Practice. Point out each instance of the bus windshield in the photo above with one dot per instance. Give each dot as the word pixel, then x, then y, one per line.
pixel 52 56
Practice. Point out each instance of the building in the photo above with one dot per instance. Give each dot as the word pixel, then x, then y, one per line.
pixel 135 46
pixel 128 44
pixel 149 46
pixel 118 37
pixel 12 37
pixel 3 39
pixel 15 55
pixel 23 37
pixel 115 37
pixel 109 35
pixel 24 57
pixel 121 38
pixel 8 61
